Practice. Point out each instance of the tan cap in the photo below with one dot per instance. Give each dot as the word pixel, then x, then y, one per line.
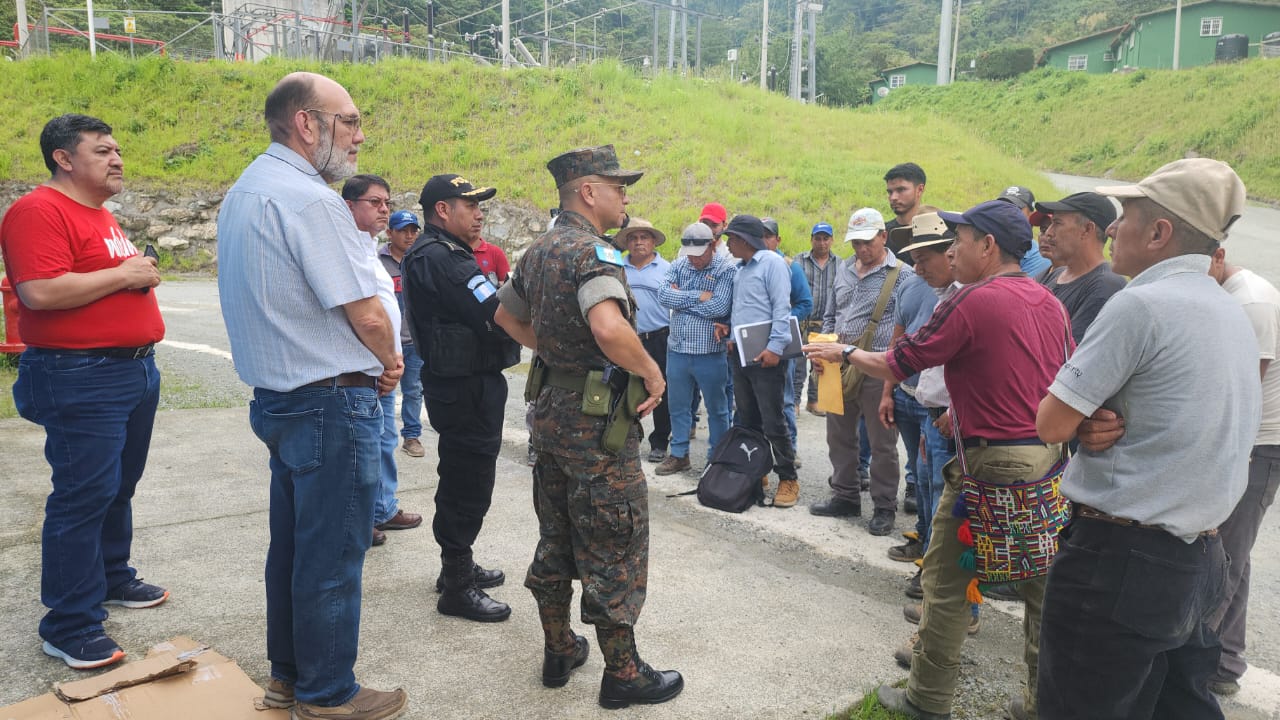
pixel 925 229
pixel 635 225
pixel 1205 193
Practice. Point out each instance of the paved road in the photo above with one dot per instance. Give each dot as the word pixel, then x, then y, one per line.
pixel 770 614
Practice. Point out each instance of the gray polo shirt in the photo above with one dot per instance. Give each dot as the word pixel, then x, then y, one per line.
pixel 1174 354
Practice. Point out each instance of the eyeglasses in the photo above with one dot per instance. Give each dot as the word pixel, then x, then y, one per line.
pixel 351 121
pixel 376 202
pixel 622 188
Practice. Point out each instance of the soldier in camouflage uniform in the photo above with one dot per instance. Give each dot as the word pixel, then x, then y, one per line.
pixel 569 300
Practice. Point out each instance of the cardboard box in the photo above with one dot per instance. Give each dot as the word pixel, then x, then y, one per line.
pixel 178 678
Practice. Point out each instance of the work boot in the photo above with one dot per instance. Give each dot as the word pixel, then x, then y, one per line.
pixel 672 465
pixel 904 652
pixel 914 589
pixel 557 667
pixel 1003 591
pixel 787 495
pixel 649 687
pixel 368 704
pixel 836 507
pixel 1225 687
pixel 882 521
pixel 909 551
pixel 484 578
pixel 896 700
pixel 279 694
pixel 813 409
pixel 461 597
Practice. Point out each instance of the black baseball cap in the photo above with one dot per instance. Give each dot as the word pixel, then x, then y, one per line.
pixel 447 187
pixel 1020 196
pixel 1098 208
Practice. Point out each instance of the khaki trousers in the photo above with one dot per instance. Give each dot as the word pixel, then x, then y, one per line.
pixel 935 665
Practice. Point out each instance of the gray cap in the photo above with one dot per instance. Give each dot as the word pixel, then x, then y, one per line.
pixel 696 240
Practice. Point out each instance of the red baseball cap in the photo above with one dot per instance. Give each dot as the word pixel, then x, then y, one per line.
pixel 714 212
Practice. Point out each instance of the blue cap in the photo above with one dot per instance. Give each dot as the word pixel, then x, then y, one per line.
pixel 822 228
pixel 998 218
pixel 402 219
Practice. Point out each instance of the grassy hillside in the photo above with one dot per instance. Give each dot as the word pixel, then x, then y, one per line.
pixel 1121 124
pixel 197 125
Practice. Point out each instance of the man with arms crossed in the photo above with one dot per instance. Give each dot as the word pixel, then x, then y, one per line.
pixel 309 334
pixel 88 376
pixel 1141 566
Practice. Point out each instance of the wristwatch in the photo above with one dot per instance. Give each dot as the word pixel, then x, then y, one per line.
pixel 848 350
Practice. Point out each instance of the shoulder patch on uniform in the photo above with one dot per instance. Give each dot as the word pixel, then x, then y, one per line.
pixel 481 288
pixel 613 256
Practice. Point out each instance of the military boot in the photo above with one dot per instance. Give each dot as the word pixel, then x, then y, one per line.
pixel 461 597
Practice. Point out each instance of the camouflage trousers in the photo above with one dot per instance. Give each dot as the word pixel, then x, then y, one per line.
pixel 593 522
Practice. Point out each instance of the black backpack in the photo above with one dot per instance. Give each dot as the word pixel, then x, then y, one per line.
pixel 731 480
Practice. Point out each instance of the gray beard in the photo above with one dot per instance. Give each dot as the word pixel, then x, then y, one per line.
pixel 332 166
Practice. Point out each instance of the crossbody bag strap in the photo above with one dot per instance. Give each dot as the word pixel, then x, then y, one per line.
pixel 882 302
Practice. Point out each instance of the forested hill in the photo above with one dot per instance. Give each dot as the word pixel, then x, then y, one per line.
pixel 856 38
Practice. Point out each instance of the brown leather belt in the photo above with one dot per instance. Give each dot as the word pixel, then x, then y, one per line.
pixel 351 379
pixel 1081 510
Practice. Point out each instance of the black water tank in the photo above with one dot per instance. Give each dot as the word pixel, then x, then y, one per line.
pixel 1231 47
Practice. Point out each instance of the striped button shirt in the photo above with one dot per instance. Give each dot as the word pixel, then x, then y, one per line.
pixel 852 299
pixel 289 258
pixel 820 280
pixel 692 321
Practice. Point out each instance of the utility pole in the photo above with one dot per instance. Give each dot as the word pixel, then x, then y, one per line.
pixel 764 47
pixel 671 36
pixel 506 34
pixel 697 49
pixel 955 42
pixel 653 62
pixel 22 28
pixel 546 34
pixel 1177 34
pixel 797 39
pixel 93 34
pixel 813 53
pixel 684 37
pixel 944 44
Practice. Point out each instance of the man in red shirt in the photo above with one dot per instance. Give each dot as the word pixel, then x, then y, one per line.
pixel 1000 340
pixel 89 377
pixel 492 261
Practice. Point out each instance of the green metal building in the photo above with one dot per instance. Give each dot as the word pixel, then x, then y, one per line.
pixel 1147 40
pixel 918 73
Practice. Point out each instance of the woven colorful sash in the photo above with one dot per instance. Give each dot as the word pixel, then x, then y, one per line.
pixel 1011 530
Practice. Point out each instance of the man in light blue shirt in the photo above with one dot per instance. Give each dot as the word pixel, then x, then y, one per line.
pixel 762 293
pixel 299 298
pixel 647 274
pixel 801 306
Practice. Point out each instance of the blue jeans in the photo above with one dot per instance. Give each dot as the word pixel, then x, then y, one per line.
pixel 710 373
pixel 324 445
pixel 911 417
pixel 411 394
pixel 929 494
pixel 97 414
pixel 384 504
pixel 789 403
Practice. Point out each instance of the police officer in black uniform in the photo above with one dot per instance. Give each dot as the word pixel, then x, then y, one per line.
pixel 449 307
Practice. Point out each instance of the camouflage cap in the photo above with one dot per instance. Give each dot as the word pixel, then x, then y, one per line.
pixel 600 160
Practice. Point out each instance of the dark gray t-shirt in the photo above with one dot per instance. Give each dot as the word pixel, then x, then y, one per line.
pixel 1085 296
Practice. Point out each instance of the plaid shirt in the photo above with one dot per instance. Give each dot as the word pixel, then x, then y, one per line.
pixel 852 299
pixel 820 280
pixel 693 322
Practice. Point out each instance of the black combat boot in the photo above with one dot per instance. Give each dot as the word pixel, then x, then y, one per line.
pixel 461 597
pixel 557 667
pixel 648 687
pixel 485 579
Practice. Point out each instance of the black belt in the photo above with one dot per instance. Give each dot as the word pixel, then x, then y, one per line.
pixel 973 442
pixel 123 353
pixel 1080 510
pixel 936 413
pixel 654 334
pixel 351 379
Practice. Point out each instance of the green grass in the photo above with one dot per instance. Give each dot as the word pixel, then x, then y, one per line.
pixel 869 709
pixel 196 125
pixel 1123 125
pixel 8 374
